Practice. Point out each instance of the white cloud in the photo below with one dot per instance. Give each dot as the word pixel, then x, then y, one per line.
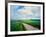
pixel 27 13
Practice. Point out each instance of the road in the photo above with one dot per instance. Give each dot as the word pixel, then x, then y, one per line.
pixel 29 27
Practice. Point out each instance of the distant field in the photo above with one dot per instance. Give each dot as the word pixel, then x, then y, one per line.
pixel 16 25
pixel 33 22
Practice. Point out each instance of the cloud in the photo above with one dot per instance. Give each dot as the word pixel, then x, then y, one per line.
pixel 24 12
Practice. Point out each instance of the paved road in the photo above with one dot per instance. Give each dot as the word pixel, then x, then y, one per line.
pixel 29 27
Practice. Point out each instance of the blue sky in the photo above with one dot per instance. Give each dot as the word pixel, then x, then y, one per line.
pixel 24 12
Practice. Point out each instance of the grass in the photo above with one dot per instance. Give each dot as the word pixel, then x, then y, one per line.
pixel 35 23
pixel 16 25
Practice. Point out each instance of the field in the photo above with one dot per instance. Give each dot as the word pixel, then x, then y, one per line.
pixel 17 25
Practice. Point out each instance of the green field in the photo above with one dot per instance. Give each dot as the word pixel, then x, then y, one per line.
pixel 16 25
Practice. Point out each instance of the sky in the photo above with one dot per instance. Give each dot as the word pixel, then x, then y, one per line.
pixel 24 12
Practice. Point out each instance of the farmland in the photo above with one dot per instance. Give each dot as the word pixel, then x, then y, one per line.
pixel 17 25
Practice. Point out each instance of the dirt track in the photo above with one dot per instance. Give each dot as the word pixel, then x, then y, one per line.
pixel 29 27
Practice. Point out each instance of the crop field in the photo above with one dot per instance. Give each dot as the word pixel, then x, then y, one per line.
pixel 16 25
